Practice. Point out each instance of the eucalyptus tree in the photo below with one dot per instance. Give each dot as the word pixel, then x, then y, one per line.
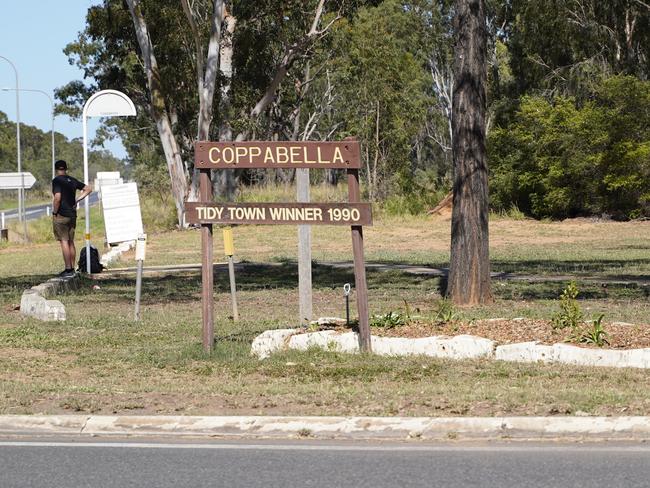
pixel 469 267
pixel 199 69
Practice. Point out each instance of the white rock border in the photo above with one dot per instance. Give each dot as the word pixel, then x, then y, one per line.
pixel 115 253
pixel 457 347
pixel 34 302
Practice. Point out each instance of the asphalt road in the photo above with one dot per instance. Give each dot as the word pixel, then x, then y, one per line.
pixel 38 211
pixel 232 464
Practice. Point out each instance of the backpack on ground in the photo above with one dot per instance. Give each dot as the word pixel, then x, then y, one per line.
pixel 95 265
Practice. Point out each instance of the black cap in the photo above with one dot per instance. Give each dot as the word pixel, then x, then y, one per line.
pixel 60 164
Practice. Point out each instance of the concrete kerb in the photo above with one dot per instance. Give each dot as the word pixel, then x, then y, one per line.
pixel 344 428
pixel 34 302
pixel 458 347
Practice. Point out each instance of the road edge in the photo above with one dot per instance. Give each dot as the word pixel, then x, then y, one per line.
pixel 337 428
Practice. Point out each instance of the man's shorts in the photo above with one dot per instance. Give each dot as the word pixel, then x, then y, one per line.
pixel 63 227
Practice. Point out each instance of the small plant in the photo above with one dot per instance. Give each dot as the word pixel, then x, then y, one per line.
pixel 407 309
pixel 445 311
pixel 388 320
pixel 596 334
pixel 570 314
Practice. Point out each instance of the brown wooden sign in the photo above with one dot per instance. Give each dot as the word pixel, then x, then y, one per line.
pixel 345 154
pixel 279 213
pixel 263 154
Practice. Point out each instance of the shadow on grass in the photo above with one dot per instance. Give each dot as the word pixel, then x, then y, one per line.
pixel 186 286
pixel 11 288
pixel 576 267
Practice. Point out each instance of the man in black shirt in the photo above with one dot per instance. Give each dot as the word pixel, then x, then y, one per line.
pixel 64 212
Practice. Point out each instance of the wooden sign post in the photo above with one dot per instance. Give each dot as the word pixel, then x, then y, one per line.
pixel 207 269
pixel 270 155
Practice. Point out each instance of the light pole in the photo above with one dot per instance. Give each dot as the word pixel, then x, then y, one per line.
pixel 21 191
pixel 104 103
pixel 52 104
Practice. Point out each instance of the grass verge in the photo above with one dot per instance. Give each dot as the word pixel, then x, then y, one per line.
pixel 101 361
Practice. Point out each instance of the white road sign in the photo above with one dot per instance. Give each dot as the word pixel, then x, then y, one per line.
pixel 14 181
pixel 122 217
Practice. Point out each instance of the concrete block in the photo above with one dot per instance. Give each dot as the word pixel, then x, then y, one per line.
pixel 42 424
pixel 271 341
pixel 525 352
pixel 347 342
pixel 324 339
pixel 34 305
pixel 461 347
pixel 581 356
pixel 400 346
pixel 638 358
pixel 53 311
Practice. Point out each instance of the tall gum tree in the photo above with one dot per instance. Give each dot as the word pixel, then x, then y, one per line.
pixel 187 51
pixel 469 268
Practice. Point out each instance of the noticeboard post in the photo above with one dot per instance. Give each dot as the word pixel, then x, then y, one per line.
pixel 272 155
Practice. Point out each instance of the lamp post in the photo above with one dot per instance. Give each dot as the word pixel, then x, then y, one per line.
pixel 21 191
pixel 52 105
pixel 104 103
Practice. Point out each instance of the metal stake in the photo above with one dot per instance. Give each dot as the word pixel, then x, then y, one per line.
pixel 346 292
pixel 233 289
pixel 138 289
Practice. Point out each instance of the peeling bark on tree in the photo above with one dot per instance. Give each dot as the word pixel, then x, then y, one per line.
pixel 207 67
pixel 224 181
pixel 469 269
pixel 159 111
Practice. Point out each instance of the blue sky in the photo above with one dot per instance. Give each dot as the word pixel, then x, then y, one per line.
pixel 33 34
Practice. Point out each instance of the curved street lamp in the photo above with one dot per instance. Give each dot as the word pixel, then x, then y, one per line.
pixel 52 104
pixel 105 103
pixel 21 191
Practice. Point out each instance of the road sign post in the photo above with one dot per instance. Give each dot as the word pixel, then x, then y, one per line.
pixel 207 268
pixel 140 252
pixel 299 155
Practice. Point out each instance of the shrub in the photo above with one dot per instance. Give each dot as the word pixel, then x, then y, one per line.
pixel 560 158
pixel 570 314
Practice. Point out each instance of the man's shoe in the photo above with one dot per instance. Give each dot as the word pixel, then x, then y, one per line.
pixel 66 273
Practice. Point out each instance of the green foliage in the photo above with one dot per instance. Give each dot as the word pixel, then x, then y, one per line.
pixel 379 72
pixel 445 311
pixel 562 159
pixel 570 314
pixel 36 155
pixel 595 335
pixel 410 203
pixel 388 320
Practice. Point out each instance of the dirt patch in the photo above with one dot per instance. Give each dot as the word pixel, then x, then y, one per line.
pixel 619 336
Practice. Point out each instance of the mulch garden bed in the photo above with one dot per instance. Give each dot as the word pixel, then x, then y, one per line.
pixel 509 331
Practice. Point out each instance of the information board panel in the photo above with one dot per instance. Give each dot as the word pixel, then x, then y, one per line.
pixel 279 213
pixel 122 217
pixel 269 155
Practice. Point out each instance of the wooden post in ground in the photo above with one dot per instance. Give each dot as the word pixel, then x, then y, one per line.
pixel 304 253
pixel 361 286
pixel 207 270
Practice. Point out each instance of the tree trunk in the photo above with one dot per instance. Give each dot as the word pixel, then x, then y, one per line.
pixel 159 111
pixel 469 269
pixel 207 67
pixel 224 181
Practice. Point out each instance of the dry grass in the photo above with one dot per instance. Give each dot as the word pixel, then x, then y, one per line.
pixel 101 361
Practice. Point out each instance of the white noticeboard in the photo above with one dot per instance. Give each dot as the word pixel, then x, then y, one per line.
pixel 122 217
